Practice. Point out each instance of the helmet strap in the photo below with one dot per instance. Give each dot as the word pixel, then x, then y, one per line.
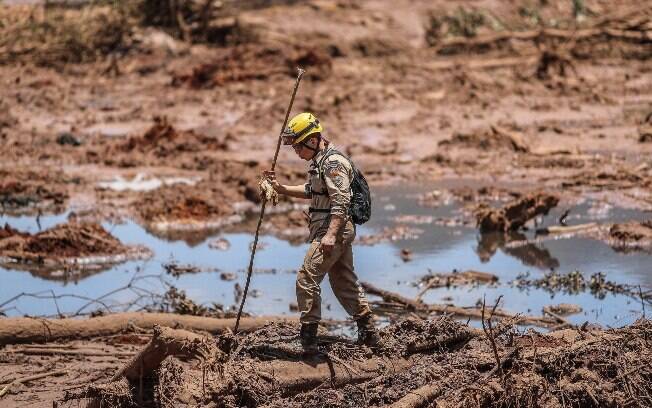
pixel 315 150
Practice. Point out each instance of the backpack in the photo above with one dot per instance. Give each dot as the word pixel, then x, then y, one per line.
pixel 360 207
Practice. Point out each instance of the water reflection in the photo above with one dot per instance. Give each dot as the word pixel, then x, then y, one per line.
pixel 529 254
pixel 438 249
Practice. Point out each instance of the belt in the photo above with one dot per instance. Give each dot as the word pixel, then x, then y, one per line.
pixel 319 210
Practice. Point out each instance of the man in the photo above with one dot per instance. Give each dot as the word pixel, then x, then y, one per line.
pixel 331 230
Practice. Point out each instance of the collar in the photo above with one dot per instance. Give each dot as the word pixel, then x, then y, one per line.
pixel 320 154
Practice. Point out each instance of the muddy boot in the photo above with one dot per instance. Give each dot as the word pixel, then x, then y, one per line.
pixel 367 333
pixel 308 335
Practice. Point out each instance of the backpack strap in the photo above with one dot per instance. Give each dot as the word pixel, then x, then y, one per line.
pixel 329 153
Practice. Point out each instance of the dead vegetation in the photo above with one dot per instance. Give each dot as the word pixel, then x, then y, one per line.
pixel 51 36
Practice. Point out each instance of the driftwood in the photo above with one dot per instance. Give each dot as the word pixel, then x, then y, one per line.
pixel 472 312
pixel 33 330
pixel 563 229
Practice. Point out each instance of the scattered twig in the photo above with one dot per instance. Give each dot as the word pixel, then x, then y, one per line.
pixel 488 330
pixel 30 378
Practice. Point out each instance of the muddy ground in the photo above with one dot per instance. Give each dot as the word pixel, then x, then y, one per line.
pixel 437 362
pixel 167 116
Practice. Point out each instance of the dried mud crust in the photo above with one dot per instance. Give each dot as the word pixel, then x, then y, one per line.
pixel 453 365
pixel 65 244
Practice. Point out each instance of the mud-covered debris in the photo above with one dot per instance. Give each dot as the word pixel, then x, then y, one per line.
pixel 574 282
pixel 67 138
pixel 221 244
pixel 255 61
pixel 376 47
pixel 631 236
pixel 269 367
pixel 62 242
pixel 163 140
pixel 30 191
pixel 563 309
pixel 495 138
pixel 455 279
pixel 515 214
pixel 175 269
pixel 645 134
pixel 406 254
pixel 176 301
pixel 606 179
pixel 390 234
pixel 228 276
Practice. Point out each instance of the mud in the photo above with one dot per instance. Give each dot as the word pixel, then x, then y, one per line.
pixel 577 366
pixel 514 215
pixel 31 192
pixel 547 96
pixel 255 62
pixel 81 244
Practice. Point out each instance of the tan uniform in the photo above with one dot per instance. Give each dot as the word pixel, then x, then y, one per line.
pixel 334 196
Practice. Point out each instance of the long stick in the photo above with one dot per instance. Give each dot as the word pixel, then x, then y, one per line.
pixel 262 208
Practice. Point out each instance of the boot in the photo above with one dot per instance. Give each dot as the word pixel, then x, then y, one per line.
pixel 308 334
pixel 367 333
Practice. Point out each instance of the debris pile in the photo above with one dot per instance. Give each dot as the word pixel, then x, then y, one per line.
pixel 515 214
pixel 421 362
pixel 63 35
pixel 631 236
pixel 255 61
pixel 495 138
pixel 30 191
pixel 68 243
pixel 163 140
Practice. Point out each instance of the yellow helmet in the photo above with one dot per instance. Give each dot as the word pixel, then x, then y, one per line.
pixel 300 127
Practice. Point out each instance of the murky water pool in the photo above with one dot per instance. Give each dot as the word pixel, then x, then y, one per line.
pixel 438 249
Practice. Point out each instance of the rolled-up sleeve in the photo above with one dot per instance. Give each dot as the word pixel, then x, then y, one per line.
pixel 338 175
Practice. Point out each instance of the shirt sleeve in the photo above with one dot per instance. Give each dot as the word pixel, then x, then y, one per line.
pixel 338 174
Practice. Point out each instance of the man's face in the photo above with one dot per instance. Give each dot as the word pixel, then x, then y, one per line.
pixel 305 153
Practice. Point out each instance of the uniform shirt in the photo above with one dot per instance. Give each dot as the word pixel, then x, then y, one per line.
pixel 338 173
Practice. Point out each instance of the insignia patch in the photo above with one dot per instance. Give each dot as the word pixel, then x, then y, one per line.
pixel 333 172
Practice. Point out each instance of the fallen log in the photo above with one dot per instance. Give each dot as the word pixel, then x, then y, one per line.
pixel 422 396
pixel 15 330
pixel 472 312
pixel 165 342
pixel 564 229
pixel 291 377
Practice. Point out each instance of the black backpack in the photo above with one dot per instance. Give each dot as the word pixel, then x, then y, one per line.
pixel 360 207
